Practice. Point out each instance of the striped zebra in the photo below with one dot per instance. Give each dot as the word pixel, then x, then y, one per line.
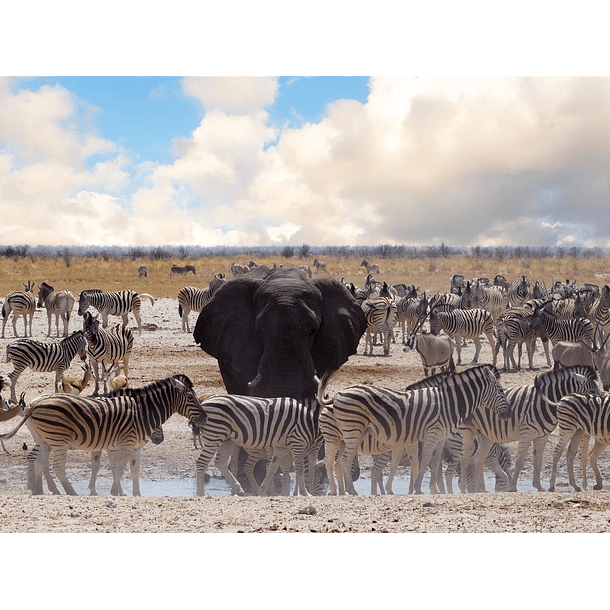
pixel 319 265
pixel 573 330
pixel 175 270
pixel 156 438
pixel 410 311
pixel 580 416
pixel 518 291
pixel 122 423
pixel 108 347
pixel 113 304
pixel 400 420
pixel 21 303
pixel 370 268
pixel 58 304
pixel 44 357
pixel 380 313
pixel 600 315
pixel 195 299
pixel 465 324
pixel 532 420
pixel 491 298
pixel 258 424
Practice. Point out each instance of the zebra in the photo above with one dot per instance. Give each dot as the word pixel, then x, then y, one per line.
pixel 518 291
pixel 319 265
pixel 533 419
pixel 21 303
pixel 465 324
pixel 370 268
pixel 113 303
pixel 600 314
pixel 237 269
pixel 580 416
pixel 108 347
pixel 491 299
pixel 58 304
pixel 409 311
pixel 142 271
pixel 258 424
pixel 380 313
pixel 44 357
pixel 573 330
pixel 121 422
pixel 402 419
pixel 195 299
pixel 175 270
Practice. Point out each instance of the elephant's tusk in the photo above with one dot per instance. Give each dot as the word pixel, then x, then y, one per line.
pixel 255 381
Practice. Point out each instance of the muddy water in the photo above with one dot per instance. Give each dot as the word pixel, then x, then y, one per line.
pixel 217 486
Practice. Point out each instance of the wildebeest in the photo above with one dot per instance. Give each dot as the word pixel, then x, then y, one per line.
pixel 175 270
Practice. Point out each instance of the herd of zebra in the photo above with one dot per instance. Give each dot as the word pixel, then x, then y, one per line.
pixel 463 419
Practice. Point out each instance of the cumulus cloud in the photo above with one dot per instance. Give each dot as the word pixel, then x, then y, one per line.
pixel 464 161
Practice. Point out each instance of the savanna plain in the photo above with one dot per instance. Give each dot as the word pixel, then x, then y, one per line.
pixel 169 503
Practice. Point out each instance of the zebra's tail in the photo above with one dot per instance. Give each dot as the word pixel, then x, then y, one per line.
pixel 322 383
pixel 179 310
pixel 149 297
pixel 5 308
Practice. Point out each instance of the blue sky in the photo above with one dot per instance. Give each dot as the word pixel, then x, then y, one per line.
pixel 319 160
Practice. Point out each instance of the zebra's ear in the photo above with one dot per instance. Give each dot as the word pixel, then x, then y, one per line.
pixel 178 384
pixel 579 377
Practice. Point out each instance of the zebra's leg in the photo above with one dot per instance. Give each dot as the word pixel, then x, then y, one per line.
pixel 429 447
pixel 477 350
pixel 251 461
pixel 118 462
pixel 95 467
pixel 564 438
pixel 222 459
pixel 458 348
pixel 349 454
pixel 584 457
pixel 466 459
pixel 136 315
pixel 136 461
pixel 437 484
pixel 539 445
pixel 597 450
pixel 59 466
pixel 524 445
pixel 330 454
pixel 301 466
pixel 397 452
pixel 571 454
pixel 502 479
pixel 379 463
pixel 478 462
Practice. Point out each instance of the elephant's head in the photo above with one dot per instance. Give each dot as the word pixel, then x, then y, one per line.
pixel 273 335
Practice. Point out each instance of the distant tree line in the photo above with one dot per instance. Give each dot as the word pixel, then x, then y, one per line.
pixel 304 251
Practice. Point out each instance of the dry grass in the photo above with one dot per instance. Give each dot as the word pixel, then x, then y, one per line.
pixel 432 275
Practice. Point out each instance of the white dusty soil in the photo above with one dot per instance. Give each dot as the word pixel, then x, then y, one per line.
pixel 169 503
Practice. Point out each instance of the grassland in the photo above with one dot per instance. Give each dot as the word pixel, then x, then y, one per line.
pixel 431 274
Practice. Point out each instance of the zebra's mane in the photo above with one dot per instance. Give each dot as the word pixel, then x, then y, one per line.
pixel 152 387
pixel 565 372
pixel 440 377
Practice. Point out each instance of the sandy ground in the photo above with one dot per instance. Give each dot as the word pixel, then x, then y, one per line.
pixel 169 503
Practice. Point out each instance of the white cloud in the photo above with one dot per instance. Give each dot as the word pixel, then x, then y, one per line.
pixel 232 94
pixel 519 161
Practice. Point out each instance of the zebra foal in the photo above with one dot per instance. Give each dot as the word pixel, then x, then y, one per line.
pixel 113 304
pixel 402 419
pixel 258 425
pixel 21 303
pixel 191 298
pixel 58 304
pixel 44 357
pixel 120 423
pixel 108 347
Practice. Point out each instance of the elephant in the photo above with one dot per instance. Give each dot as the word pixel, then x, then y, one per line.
pixel 274 330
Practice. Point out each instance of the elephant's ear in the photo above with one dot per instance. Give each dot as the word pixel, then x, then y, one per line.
pixel 225 327
pixel 343 323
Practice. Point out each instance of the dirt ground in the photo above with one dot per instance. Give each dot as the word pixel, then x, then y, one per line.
pixel 169 503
